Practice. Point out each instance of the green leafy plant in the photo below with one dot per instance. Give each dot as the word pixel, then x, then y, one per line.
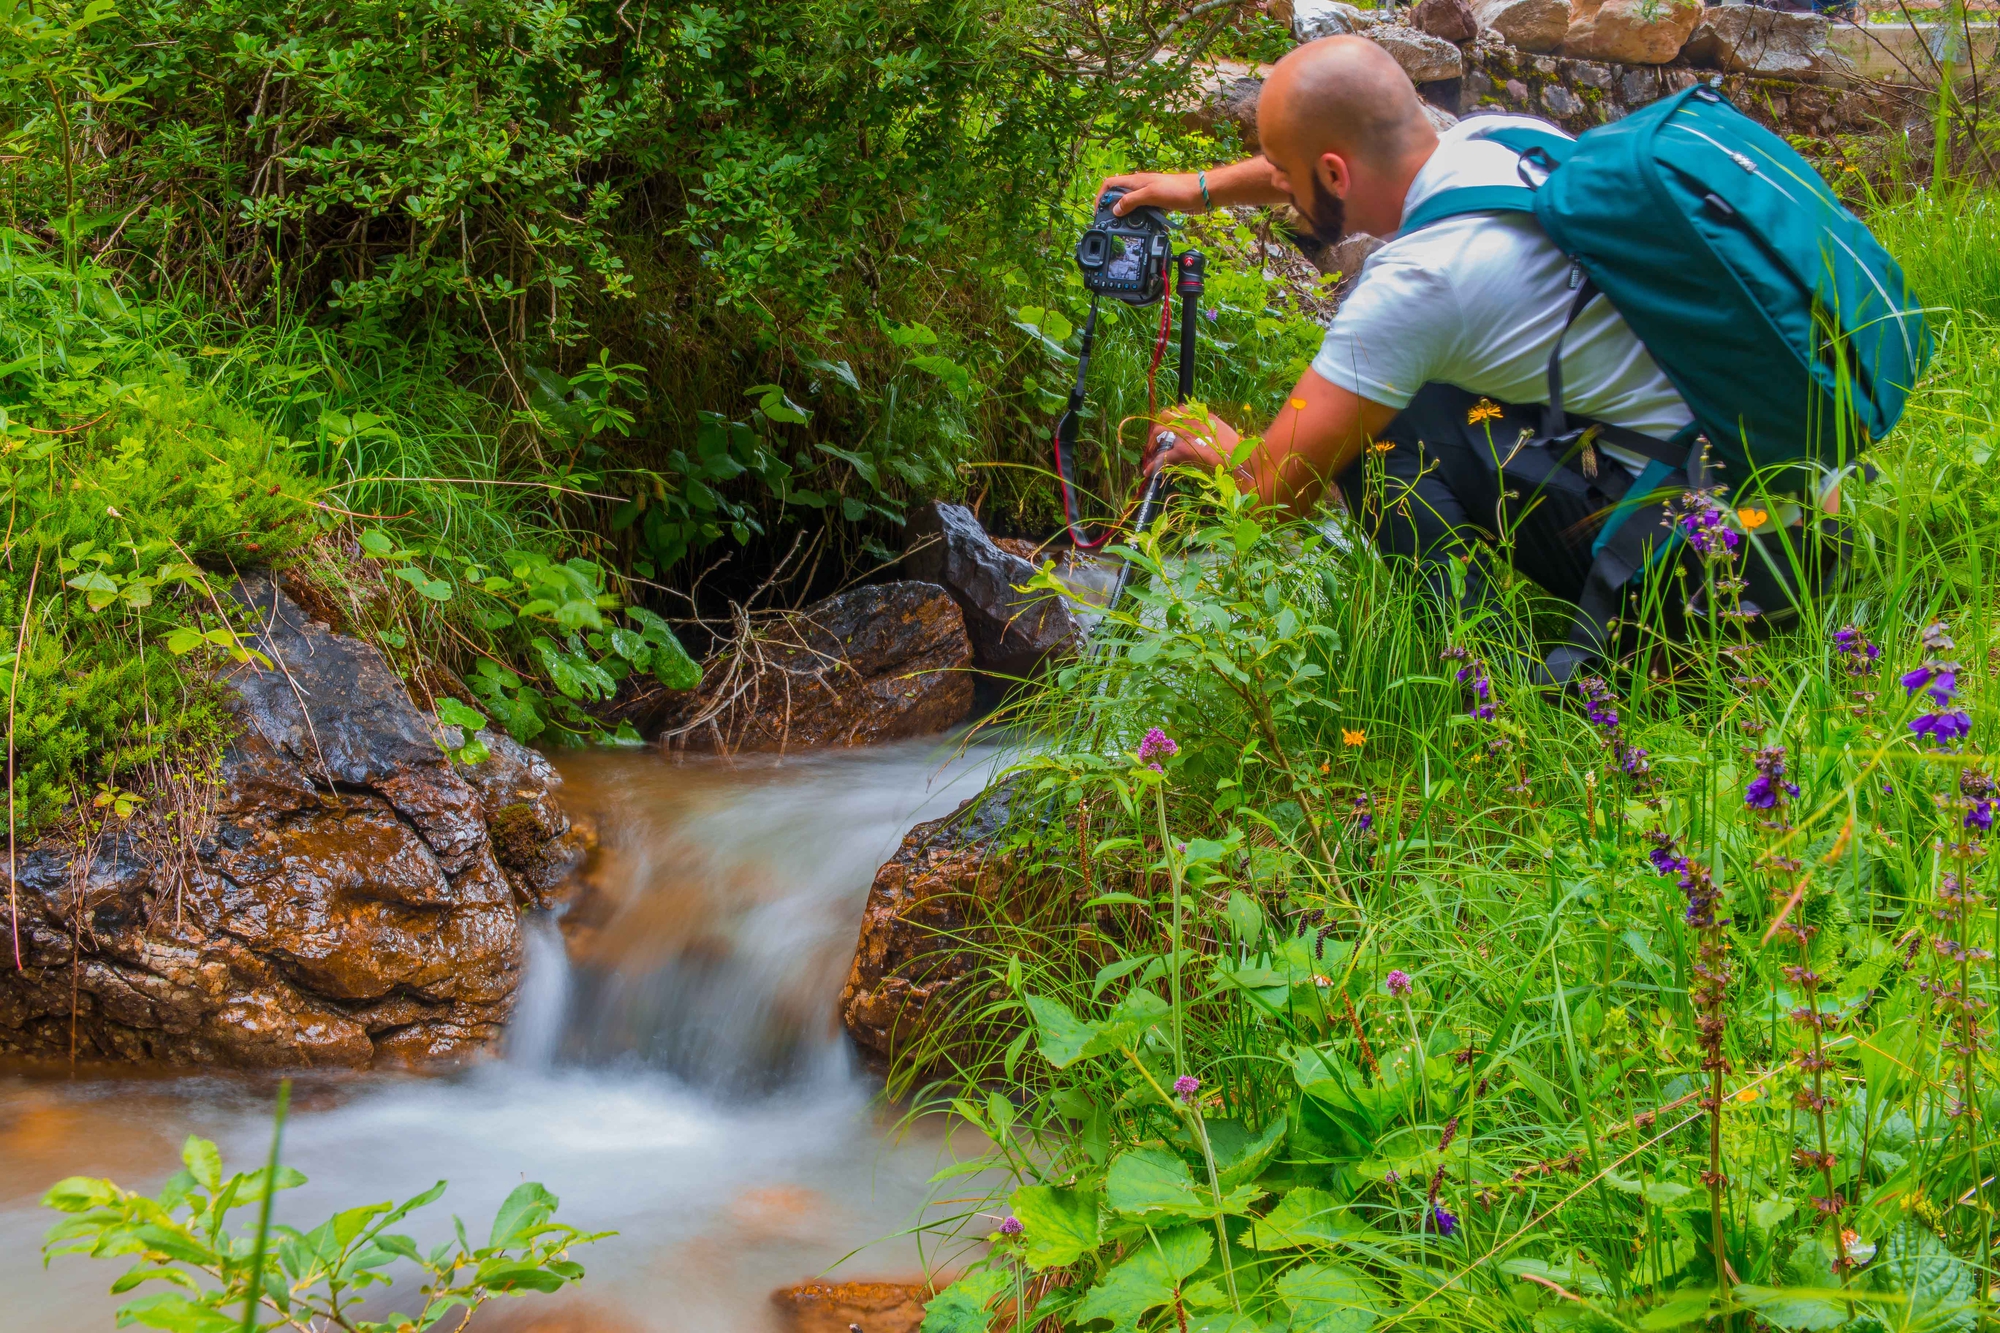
pixel 220 1279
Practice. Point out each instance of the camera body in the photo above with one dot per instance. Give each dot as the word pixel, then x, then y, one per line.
pixel 1125 258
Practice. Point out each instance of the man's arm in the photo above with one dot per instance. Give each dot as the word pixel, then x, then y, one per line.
pixel 1315 437
pixel 1245 182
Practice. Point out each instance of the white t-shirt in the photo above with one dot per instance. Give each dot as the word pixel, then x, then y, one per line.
pixel 1478 301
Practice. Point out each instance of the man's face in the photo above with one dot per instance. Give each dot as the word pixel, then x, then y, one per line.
pixel 1324 211
pixel 1328 214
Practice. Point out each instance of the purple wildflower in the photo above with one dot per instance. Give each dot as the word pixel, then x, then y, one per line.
pixel 1769 787
pixel 1398 982
pixel 1980 816
pixel 1010 1226
pixel 1665 861
pixel 1186 1086
pixel 1939 680
pixel 1852 644
pixel 1213 313
pixel 1442 1219
pixel 1708 531
pixel 1157 742
pixel 1944 728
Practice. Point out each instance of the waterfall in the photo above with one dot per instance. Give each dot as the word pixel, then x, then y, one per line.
pixel 536 1032
pixel 723 911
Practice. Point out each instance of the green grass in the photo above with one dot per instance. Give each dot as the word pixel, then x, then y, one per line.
pixel 1337 818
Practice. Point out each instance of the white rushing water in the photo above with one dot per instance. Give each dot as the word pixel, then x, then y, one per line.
pixel 675 1070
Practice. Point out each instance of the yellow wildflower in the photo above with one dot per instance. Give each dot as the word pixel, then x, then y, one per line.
pixel 1747 1095
pixel 1356 738
pixel 1382 446
pixel 1298 404
pixel 1751 519
pixel 1483 410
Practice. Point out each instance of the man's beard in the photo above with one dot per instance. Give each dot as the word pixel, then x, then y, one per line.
pixel 1328 217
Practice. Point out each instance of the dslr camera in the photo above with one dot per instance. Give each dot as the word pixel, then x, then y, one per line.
pixel 1126 257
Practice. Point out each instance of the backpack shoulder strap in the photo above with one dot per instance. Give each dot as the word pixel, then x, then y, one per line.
pixel 1468 199
pixel 1554 149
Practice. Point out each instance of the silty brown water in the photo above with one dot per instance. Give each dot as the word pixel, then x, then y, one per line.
pixel 674 1070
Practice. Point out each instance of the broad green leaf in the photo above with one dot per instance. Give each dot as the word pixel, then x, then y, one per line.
pixel 203 1162
pixel 175 1313
pixel 1305 1216
pixel 1331 1298
pixel 517 1275
pixel 1246 1160
pixel 1682 1308
pixel 1798 1307
pixel 1058 1226
pixel 77 1194
pixel 1062 1034
pixel 452 713
pixel 1151 1181
pixel 961 1307
pixel 1149 1276
pixel 523 1210
pixel 1768 1213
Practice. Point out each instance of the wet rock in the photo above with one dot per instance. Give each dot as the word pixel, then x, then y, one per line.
pixel 1314 19
pixel 1632 32
pixel 876 663
pixel 1426 59
pixel 1229 100
pixel 534 839
pixel 1748 39
pixel 340 904
pixel 941 883
pixel 1450 19
pixel 1531 25
pixel 1013 631
pixel 841 1307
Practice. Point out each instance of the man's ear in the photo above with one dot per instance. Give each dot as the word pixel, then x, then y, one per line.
pixel 1334 175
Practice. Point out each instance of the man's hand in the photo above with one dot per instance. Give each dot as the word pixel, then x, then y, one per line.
pixel 1245 182
pixel 1190 436
pixel 1177 193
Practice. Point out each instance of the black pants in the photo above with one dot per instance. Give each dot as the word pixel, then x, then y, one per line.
pixel 1429 490
pixel 1455 477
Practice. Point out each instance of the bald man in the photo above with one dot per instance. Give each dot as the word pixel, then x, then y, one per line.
pixel 1439 355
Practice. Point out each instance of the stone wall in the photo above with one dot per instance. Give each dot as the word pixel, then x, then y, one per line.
pixel 1578 94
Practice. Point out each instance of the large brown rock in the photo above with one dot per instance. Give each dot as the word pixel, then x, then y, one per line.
pixel 938 887
pixel 841 1307
pixel 1530 25
pixel 1749 39
pixel 879 662
pixel 1314 19
pixel 339 902
pixel 1014 629
pixel 1426 59
pixel 1631 32
pixel 1449 19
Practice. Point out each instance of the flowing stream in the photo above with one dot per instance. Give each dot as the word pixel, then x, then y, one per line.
pixel 674 1071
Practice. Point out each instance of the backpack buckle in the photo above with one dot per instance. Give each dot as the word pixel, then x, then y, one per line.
pixel 1539 157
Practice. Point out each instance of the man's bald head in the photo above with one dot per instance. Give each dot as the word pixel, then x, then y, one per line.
pixel 1342 95
pixel 1348 97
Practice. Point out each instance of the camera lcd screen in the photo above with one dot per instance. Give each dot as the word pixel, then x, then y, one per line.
pixel 1128 266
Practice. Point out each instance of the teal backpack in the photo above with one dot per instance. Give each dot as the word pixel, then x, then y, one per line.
pixel 1786 327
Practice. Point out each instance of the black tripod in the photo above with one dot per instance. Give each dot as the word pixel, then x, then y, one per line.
pixel 1189 267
